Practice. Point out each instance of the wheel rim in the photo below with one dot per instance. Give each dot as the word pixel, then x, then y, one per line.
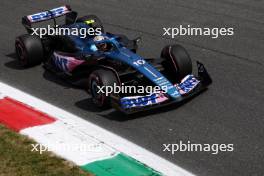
pixel 98 98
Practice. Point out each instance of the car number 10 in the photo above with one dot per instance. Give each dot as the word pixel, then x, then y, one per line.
pixel 139 62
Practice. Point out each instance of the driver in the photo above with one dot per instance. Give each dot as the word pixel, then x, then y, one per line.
pixel 101 46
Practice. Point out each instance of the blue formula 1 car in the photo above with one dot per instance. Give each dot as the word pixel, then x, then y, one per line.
pixel 103 60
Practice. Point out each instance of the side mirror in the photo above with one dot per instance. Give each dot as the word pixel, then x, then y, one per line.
pixel 137 40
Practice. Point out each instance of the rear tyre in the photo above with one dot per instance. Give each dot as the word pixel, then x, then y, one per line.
pixel 91 20
pixel 29 50
pixel 177 61
pixel 102 78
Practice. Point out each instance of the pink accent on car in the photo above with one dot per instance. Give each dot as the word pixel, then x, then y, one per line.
pixel 73 63
pixel 66 63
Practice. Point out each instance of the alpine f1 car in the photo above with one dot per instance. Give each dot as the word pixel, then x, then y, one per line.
pixel 109 59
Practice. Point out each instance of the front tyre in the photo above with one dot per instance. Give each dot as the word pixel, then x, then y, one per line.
pixel 102 78
pixel 177 61
pixel 29 50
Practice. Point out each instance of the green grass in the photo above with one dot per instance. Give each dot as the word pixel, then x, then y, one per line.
pixel 17 159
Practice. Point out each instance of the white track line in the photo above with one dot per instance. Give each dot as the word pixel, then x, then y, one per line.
pixel 89 129
pixel 69 143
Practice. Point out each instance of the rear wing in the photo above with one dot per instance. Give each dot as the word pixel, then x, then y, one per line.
pixel 28 20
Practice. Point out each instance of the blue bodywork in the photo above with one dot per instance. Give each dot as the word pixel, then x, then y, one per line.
pixel 86 46
pixel 119 52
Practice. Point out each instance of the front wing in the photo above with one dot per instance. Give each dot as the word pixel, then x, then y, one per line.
pixel 189 87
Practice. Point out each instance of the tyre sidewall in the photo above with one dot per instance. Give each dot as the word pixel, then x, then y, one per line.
pixel 177 60
pixel 31 50
pixel 102 77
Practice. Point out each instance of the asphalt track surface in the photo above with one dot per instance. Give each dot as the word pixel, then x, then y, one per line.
pixel 231 111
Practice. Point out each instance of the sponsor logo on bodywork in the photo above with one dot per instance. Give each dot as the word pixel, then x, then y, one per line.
pixel 48 14
pixel 65 63
pixel 129 102
pixel 187 85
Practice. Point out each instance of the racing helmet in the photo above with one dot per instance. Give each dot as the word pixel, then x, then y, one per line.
pixel 98 38
pixel 101 46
